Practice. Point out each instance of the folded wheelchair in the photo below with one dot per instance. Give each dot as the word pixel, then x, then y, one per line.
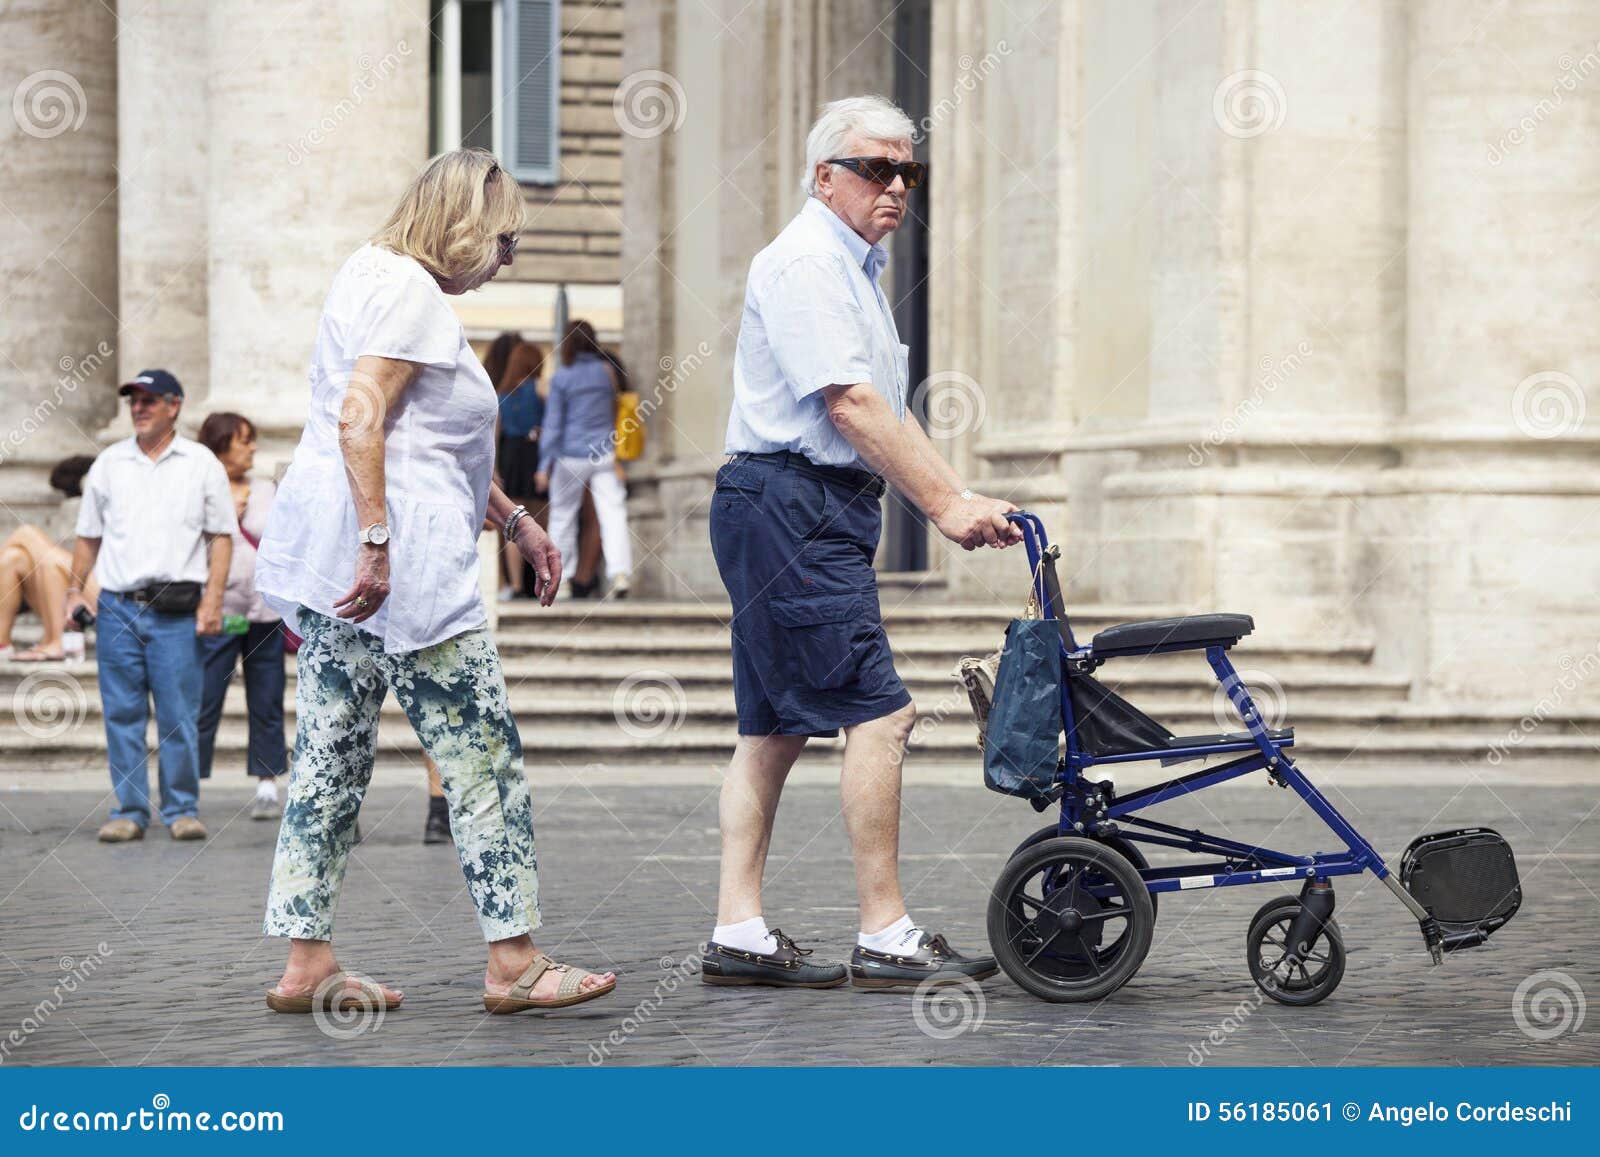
pixel 1072 915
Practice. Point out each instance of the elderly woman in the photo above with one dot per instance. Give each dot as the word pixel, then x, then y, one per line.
pixel 370 551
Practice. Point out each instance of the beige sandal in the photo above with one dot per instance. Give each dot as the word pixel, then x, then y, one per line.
pixel 368 994
pixel 520 998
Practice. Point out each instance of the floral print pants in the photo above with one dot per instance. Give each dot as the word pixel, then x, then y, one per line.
pixel 455 697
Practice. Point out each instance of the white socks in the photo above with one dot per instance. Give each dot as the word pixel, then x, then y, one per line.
pixel 899 938
pixel 747 936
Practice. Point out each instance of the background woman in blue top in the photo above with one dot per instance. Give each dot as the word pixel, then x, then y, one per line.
pixel 578 448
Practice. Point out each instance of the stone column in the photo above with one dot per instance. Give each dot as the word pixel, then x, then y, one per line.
pixel 317 123
pixel 721 96
pixel 58 266
pixel 1004 193
pixel 1264 331
pixel 1498 501
pixel 162 143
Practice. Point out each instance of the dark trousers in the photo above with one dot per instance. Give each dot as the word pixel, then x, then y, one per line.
pixel 262 650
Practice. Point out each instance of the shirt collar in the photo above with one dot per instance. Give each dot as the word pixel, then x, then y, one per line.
pixel 871 258
pixel 177 447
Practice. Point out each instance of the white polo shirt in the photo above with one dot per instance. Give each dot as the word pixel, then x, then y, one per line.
pixel 152 516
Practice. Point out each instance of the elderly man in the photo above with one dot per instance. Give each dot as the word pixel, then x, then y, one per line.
pixel 819 422
pixel 157 521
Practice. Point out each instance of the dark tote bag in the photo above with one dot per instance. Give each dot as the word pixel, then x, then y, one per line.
pixel 1022 745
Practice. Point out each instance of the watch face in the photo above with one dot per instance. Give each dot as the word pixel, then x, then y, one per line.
pixel 378 535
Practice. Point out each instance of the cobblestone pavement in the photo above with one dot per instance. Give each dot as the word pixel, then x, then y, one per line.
pixel 628 874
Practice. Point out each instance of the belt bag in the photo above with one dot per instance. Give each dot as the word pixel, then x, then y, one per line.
pixel 171 598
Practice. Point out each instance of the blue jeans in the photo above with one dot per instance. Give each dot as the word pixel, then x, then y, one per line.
pixel 262 649
pixel 146 655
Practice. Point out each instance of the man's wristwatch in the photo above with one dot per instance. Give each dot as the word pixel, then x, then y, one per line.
pixel 377 534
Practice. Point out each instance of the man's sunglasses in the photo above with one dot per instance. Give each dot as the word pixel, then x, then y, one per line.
pixel 883 171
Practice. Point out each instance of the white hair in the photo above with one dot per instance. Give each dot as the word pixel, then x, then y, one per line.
pixel 874 117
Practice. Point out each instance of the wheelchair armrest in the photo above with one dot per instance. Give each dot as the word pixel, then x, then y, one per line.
pixel 1156 636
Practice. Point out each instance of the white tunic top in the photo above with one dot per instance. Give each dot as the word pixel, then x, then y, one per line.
pixel 152 516
pixel 438 462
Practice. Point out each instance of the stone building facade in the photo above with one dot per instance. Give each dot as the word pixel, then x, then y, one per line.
pixel 1269 306
pixel 183 179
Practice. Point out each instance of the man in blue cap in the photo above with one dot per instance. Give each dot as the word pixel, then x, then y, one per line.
pixel 157 519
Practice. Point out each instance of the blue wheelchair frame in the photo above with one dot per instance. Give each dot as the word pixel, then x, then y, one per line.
pixel 1086 809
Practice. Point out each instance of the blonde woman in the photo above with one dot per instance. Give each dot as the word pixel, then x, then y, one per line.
pixel 370 551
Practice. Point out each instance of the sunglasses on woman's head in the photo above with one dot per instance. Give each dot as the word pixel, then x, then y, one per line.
pixel 883 170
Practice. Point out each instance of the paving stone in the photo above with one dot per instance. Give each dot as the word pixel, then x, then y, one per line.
pixel 629 875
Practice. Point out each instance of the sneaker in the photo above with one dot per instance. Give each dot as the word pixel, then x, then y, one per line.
pixel 120 832
pixel 619 588
pixel 187 828
pixel 437 829
pixel 266 806
pixel 507 594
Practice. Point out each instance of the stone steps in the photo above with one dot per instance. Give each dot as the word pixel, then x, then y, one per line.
pixel 640 682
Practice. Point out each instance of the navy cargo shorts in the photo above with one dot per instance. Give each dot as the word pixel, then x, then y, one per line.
pixel 794 544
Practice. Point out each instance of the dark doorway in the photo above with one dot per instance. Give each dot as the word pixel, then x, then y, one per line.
pixel 905 540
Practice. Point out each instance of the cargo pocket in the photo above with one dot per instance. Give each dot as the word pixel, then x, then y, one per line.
pixel 817 638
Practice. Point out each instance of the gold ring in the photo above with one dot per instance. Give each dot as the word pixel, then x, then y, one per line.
pixel 361 602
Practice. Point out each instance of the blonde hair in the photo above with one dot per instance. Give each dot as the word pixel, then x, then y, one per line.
pixel 451 216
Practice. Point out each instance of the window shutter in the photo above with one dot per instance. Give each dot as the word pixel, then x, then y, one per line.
pixel 532 97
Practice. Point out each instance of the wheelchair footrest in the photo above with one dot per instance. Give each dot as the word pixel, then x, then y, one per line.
pixel 1467 880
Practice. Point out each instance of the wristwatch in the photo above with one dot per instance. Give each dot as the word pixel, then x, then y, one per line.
pixel 377 534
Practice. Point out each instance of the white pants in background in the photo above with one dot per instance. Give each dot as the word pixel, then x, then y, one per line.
pixel 567 479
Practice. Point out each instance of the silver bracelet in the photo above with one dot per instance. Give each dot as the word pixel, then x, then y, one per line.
pixel 509 526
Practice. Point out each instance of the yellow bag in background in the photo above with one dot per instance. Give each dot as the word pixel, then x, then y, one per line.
pixel 630 427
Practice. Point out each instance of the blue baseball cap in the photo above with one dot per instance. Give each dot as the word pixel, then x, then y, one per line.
pixel 154 382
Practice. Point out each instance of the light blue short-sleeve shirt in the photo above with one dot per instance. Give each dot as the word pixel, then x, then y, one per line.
pixel 814 316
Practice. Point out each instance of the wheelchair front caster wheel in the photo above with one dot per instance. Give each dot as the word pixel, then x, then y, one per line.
pixel 1277 971
pixel 1070 920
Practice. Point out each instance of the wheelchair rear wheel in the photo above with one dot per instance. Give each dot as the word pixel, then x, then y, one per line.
pixel 1070 919
pixel 1289 981
pixel 1128 848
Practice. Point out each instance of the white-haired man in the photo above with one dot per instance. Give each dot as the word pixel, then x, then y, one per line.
pixel 819 422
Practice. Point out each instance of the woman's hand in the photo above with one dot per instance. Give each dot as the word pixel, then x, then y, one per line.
pixel 542 555
pixel 371 585
pixel 541 481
